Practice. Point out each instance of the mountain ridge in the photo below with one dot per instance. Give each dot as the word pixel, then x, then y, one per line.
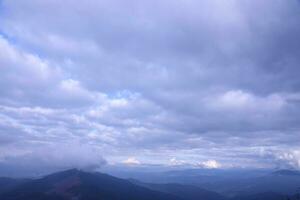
pixel 77 184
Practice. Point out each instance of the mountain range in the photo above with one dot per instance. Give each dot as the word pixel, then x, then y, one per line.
pixel 76 184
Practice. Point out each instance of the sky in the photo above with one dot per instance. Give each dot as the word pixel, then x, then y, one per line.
pixel 204 84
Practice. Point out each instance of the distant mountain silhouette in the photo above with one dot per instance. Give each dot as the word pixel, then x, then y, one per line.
pixel 240 183
pixel 283 182
pixel 78 185
pixel 287 173
pixel 187 192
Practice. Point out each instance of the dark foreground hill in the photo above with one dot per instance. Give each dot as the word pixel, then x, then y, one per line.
pixel 79 185
pixel 7 184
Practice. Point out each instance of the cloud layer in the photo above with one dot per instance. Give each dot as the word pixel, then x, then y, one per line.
pixel 155 82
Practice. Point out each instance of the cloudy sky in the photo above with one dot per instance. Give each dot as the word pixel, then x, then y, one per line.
pixel 207 83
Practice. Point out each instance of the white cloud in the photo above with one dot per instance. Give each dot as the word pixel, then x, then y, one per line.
pixel 131 161
pixel 245 101
pixel 175 162
pixel 210 164
pixel 74 89
pixel 289 158
pixel 27 68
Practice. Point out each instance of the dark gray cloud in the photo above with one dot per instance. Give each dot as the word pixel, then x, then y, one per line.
pixel 162 82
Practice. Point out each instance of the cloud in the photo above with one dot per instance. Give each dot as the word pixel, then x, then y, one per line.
pixel 210 164
pixel 131 161
pixel 289 158
pixel 207 80
pixel 51 157
pixel 240 100
pixel 175 162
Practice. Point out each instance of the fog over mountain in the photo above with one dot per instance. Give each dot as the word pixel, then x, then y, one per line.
pixel 162 85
